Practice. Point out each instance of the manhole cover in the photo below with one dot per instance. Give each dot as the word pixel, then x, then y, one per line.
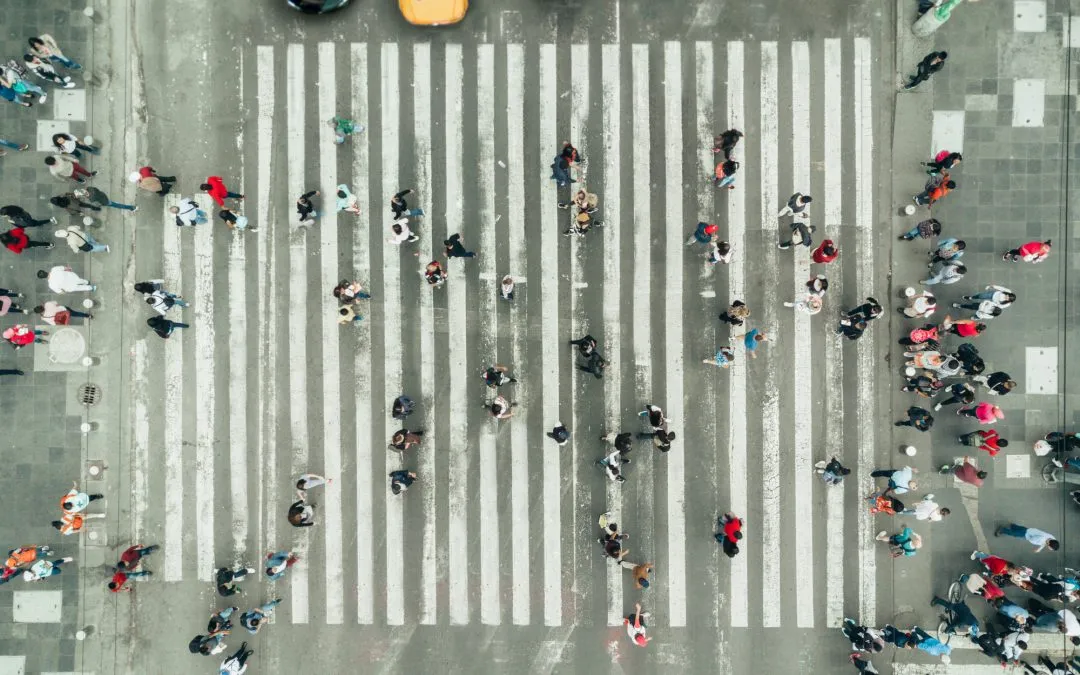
pixel 66 346
pixel 89 394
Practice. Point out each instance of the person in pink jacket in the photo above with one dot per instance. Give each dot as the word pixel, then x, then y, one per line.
pixel 1032 252
pixel 215 187
pixel 986 413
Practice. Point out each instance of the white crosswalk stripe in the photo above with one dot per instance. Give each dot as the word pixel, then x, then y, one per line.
pixel 483 535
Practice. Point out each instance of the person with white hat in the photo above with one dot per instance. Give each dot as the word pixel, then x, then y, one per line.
pixel 146 178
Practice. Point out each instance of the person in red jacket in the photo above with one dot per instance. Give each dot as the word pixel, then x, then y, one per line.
pixel 985 439
pixel 826 252
pixel 1032 252
pixel 215 187
pixel 21 335
pixel 17 241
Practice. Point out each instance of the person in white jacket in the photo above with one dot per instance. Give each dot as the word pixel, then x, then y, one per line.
pixel 400 232
pixel 162 301
pixel 62 280
pixel 188 213
pixel 81 242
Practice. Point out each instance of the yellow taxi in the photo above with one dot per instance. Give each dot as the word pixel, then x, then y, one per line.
pixel 433 12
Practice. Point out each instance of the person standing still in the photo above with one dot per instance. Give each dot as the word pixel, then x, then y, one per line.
pixel 931 63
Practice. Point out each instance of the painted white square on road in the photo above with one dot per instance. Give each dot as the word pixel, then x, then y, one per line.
pixel 36 606
pixel 1029 16
pixel 70 104
pixel 1029 103
pixel 947 132
pixel 1018 466
pixel 12 665
pixel 1041 368
pixel 45 131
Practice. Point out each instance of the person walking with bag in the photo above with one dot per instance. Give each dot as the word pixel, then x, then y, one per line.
pixel 215 187
pixel 55 314
pixel 100 199
pixel 146 178
pixel 80 242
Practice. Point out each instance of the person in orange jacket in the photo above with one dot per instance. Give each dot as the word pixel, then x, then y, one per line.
pixel 72 523
pixel 215 187
pixel 935 189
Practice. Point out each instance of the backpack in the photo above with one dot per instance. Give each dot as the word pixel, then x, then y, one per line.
pixel 196 644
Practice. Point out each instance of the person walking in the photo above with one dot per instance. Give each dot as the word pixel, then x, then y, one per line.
pixel 751 341
pixel 215 187
pixel 595 365
pixel 718 252
pixel 998 295
pixel 21 335
pixel 926 509
pixel 188 213
pixel 72 523
pixel 400 480
pixel 45 71
pixel 72 145
pixel 943 161
pixel 72 204
pixel 825 253
pixel 1032 252
pixel 948 249
pixel 560 434
pixel 831 472
pixel 803 230
pixel 500 408
pixel 584 201
pixel 736 314
pixel 961 392
pixel 121 576
pixel 930 64
pixel 586 345
pixel 962 327
pixel 98 198
pixel 404 439
pixel 811 305
pixel 235 221
pixel 17 241
pixel 926 229
pixel 278 562
pixel 161 301
pixel 935 189
pixel 132 556
pixel 724 176
pixel 17 215
pixel 79 241
pixel 654 415
pixel 623 442
pixel 55 314
pixel 62 166
pixel 945 272
pixel 496 376
pixel 635 626
pixel 965 469
pixel 723 358
pixel 75 501
pixel 868 311
pixel 164 327
pixel 44 46
pixel 661 439
pixel 221 620
pixel 208 645
pixel 237 663
pixel 985 310
pixel 343 128
pixel 43 569
pixel 12 145
pixel 305 208
pixel 8 304
pixel 704 234
pixel 905 543
pixel 347 201
pixel 999 383
pixel 901 481
pixel 146 178
pixel 400 233
pixel 434 273
pixel 729 533
pixel 612 463
pixel 226 579
pixel 796 206
pixel 506 288
pixel 455 249
pixel 301 514
pixel 402 407
pixel 347 314
pixel 1037 538
pixel 399 207
pixel 725 143
pixel 349 292
pixel 986 413
pixel 919 306
pixel 253 619
pixel 639 573
pixel 988 440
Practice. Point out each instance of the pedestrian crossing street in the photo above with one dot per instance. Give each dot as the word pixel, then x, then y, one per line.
pixel 500 526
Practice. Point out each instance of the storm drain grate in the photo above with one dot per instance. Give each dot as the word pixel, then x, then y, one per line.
pixel 89 394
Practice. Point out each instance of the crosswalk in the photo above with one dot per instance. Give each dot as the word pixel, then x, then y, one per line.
pixel 500 527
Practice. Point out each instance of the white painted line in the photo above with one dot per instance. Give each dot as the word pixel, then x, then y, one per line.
pixel 365 566
pixel 490 607
pixel 333 570
pixel 1071 33
pixel 803 417
pixel 705 109
pixel 864 222
pixel 549 310
pixel 140 441
pixel 834 362
pixel 298 289
pixel 203 322
pixel 579 481
pixel 736 219
pixel 392 348
pixel 238 368
pixel 174 402
pixel 673 340
pixel 458 564
pixel 429 570
pixel 612 144
pixel 640 121
pixel 947 131
pixel 266 441
pixel 1029 102
pixel 770 407
pixel 519 424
